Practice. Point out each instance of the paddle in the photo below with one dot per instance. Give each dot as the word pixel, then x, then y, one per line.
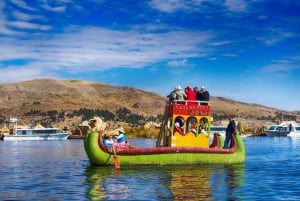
pixel 116 160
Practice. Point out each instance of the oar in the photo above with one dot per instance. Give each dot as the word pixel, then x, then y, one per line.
pixel 116 160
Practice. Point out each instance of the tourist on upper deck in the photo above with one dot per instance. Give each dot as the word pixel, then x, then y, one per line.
pixel 204 96
pixel 172 95
pixel 197 93
pixel 190 96
pixel 180 96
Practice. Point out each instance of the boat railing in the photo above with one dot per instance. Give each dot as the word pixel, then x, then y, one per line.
pixel 189 108
pixel 188 102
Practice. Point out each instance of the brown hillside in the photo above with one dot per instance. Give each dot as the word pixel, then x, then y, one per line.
pixel 67 95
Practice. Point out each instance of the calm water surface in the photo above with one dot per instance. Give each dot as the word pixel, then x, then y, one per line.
pixel 60 170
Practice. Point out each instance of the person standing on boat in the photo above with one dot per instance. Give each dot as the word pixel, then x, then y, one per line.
pixel 197 93
pixel 204 95
pixel 230 130
pixel 190 96
pixel 180 95
pixel 172 95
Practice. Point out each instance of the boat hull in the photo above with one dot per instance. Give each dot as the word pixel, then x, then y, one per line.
pixel 277 133
pixel 35 137
pixel 163 155
pixel 294 134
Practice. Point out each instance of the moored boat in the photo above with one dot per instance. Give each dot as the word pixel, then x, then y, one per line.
pixel 290 129
pixel 37 134
pixel 294 130
pixel 183 139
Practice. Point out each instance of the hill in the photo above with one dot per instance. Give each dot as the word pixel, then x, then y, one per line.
pixel 69 102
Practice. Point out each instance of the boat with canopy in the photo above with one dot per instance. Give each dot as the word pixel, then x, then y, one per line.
pixel 184 138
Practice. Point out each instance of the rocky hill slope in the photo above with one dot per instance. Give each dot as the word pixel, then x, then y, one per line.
pixel 33 99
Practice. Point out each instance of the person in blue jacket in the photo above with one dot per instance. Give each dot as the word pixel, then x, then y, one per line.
pixel 121 138
pixel 108 140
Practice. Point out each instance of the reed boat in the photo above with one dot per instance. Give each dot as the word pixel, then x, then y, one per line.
pixel 184 138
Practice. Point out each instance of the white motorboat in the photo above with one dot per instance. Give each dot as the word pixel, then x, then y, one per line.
pixel 37 134
pixel 288 128
pixel 295 130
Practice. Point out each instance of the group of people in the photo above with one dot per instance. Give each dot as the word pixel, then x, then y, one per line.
pixel 190 95
pixel 117 140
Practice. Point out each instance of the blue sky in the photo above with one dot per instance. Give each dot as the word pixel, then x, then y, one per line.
pixel 246 50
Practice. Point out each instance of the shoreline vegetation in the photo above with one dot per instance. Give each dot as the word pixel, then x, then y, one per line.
pixel 152 133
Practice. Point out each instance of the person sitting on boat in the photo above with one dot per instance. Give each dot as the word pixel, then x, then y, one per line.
pixel 202 129
pixel 179 125
pixel 108 140
pixel 193 128
pixel 121 139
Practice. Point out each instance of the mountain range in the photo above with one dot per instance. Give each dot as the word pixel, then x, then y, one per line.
pixel 27 100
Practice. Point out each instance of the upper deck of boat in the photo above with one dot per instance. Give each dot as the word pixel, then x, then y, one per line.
pixel 193 108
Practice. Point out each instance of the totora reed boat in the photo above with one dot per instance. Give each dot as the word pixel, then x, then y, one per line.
pixel 183 139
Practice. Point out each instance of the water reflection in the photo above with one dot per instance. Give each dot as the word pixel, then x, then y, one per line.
pixel 190 183
pixel 226 180
pixel 295 141
pixel 165 183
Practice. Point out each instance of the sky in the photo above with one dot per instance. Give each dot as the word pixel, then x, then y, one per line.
pixel 245 50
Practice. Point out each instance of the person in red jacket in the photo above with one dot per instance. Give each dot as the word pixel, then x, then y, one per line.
pixel 190 96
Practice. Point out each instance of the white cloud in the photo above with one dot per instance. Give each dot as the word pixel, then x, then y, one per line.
pixel 279 68
pixel 20 16
pixel 178 63
pixel 220 43
pixel 170 6
pixel 99 49
pixel 28 25
pixel 282 65
pixel 22 4
pixel 167 5
pixel 236 5
pixel 274 36
pixel 16 74
pixel 230 55
pixel 48 7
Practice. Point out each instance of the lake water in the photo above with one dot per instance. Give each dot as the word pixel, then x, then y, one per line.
pixel 60 170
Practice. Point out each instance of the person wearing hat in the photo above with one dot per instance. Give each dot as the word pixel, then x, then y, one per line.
pixel 203 95
pixel 230 130
pixel 121 138
pixel 172 95
pixel 180 95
